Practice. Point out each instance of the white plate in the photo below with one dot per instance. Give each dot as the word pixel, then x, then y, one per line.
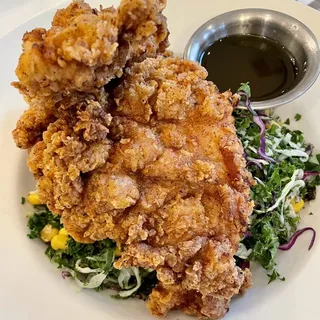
pixel 32 288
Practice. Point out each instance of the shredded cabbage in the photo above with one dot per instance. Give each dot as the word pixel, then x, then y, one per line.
pixel 292 153
pixel 243 252
pixel 127 293
pixel 124 278
pixel 86 269
pixel 298 174
pixel 94 282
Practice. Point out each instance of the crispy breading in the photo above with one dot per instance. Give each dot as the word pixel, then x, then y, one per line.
pixel 83 50
pixel 198 276
pixel 32 123
pixel 72 145
pixel 177 201
pixel 201 170
pixel 151 161
pixel 42 112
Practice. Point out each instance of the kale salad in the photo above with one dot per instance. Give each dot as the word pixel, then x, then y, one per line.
pixel 91 265
pixel 286 174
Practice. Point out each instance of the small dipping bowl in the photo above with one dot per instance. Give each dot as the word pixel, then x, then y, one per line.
pixel 289 32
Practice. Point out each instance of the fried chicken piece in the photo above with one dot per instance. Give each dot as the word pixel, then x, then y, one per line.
pixel 85 48
pixel 143 27
pixel 71 146
pixel 197 276
pixel 73 55
pixel 32 123
pixel 151 161
pixel 173 93
pixel 177 201
pixel 42 112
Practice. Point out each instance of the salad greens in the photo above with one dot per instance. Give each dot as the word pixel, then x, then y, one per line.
pixel 281 187
pixel 91 265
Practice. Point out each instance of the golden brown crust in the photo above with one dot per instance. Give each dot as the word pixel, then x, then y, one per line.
pixel 71 146
pixel 178 201
pixel 167 182
pixel 151 161
pixel 85 48
pixel 42 112
pixel 198 276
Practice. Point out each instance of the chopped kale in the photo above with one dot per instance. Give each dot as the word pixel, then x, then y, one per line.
pixel 40 219
pixel 85 261
pixel 297 117
pixel 271 228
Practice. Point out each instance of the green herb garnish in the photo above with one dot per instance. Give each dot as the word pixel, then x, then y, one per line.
pixel 297 117
pixel 246 88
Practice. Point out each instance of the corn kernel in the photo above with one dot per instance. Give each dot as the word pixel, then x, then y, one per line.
pixel 297 206
pixel 34 199
pixel 59 242
pixel 117 252
pixel 48 232
pixel 63 232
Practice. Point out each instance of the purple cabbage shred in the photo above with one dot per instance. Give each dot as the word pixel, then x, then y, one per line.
pixel 65 274
pixel 245 265
pixel 308 174
pixel 295 236
pixel 259 122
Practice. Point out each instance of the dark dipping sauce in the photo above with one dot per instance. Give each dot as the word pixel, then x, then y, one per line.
pixel 267 65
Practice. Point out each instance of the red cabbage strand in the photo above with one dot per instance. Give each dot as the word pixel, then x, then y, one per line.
pixel 245 265
pixel 296 235
pixel 308 174
pixel 65 274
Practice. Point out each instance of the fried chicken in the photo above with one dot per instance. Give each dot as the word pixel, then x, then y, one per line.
pixel 150 160
pixel 198 276
pixel 166 180
pixel 83 50
pixel 43 111
pixel 72 145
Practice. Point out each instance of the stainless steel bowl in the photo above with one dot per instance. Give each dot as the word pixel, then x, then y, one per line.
pixel 286 30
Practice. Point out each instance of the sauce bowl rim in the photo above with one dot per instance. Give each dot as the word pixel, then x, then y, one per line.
pixel 297 91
